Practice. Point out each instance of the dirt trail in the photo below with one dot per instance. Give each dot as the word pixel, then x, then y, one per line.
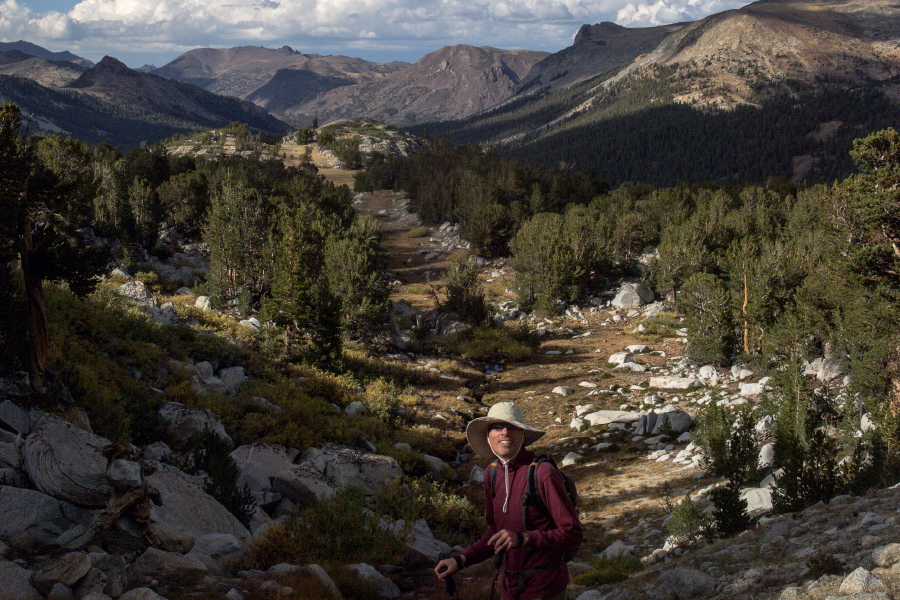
pixel 621 491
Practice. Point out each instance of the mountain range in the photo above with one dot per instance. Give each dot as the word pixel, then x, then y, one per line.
pixel 451 83
pixel 821 72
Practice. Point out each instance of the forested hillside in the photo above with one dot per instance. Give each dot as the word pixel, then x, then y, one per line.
pixel 634 131
pixel 774 88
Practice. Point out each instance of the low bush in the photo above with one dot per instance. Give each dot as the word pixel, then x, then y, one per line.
pixel 452 518
pixel 341 528
pixel 417 232
pixel 686 524
pixel 388 401
pixel 609 570
pixel 494 343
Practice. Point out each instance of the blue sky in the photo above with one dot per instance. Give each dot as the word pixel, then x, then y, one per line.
pixel 139 32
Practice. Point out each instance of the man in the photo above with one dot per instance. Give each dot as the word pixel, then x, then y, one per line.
pixel 534 559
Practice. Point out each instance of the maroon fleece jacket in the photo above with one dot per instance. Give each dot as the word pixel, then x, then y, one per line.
pixel 549 534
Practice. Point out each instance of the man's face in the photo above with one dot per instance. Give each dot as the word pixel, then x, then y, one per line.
pixel 505 439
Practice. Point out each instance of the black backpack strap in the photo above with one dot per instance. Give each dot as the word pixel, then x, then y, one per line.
pixel 492 477
pixel 533 495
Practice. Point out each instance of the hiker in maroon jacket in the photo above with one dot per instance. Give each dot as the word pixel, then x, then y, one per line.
pixel 535 566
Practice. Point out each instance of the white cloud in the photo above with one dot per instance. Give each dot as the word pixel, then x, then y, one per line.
pixel 132 27
pixel 671 11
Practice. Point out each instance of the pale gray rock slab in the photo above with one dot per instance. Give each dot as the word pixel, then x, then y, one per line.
pixel 886 556
pixel 437 465
pixel 632 295
pixel 423 542
pixel 766 458
pixel 758 499
pixel 356 408
pixel 124 474
pixel 620 358
pixel 577 423
pixel 318 572
pixel 303 484
pixel 68 569
pixel 61 591
pixel 215 549
pixel 14 418
pixel 348 467
pixel 257 463
pixel 107 576
pixel 673 383
pixel 134 290
pixel 15 582
pixel 686 582
pixel 792 593
pixel 141 593
pixel 570 459
pixel 9 455
pixel 165 566
pixel 861 581
pixel 476 475
pixel 605 417
pixel 232 378
pixel 42 517
pixel 562 390
pixel 187 512
pixel 383 586
pixel 66 462
pixel 678 420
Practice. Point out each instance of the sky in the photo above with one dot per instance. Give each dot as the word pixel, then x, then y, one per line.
pixel 140 32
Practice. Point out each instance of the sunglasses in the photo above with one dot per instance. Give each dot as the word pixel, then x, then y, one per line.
pixel 499 426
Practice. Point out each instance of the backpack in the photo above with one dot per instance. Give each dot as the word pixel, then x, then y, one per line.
pixel 533 497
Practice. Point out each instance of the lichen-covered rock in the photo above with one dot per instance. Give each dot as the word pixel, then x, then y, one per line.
pixel 348 467
pixel 67 462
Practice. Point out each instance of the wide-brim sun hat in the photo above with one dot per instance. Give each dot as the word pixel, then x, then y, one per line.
pixel 502 412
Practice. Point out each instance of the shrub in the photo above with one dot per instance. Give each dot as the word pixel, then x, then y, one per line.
pixel 729 442
pixel 417 232
pixel 731 510
pixel 388 401
pixel 452 518
pixel 708 319
pixel 609 570
pixel 824 564
pixel 341 528
pixel 463 295
pixel 491 344
pixel 685 523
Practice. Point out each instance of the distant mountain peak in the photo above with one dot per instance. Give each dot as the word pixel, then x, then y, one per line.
pixel 39 52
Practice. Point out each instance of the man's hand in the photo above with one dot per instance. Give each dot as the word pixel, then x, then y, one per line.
pixel 503 540
pixel 446 567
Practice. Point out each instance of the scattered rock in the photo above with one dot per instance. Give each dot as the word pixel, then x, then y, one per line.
pixel 383 586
